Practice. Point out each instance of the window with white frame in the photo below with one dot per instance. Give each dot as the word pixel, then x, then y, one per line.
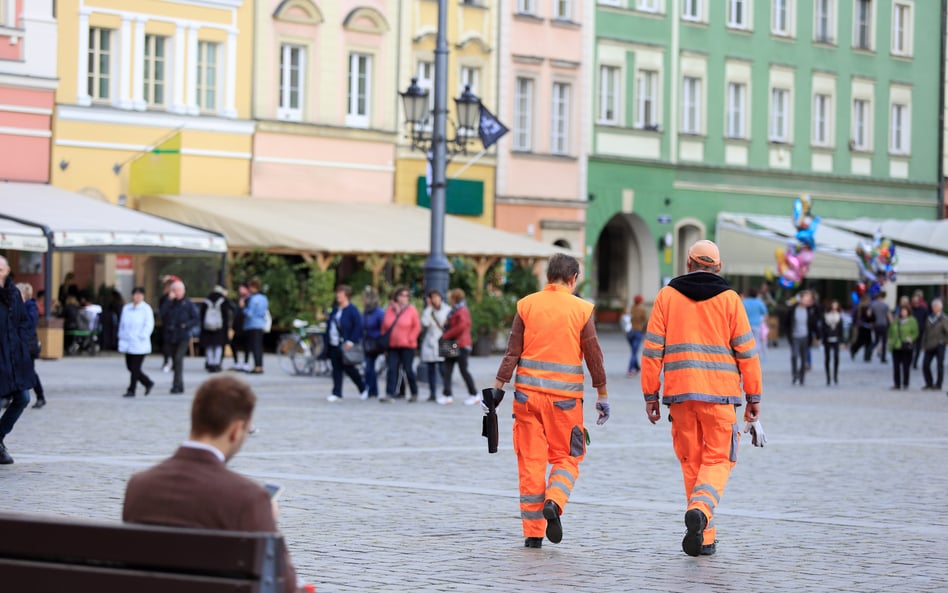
pixel 207 76
pixel 608 95
pixel 780 17
pixel 425 75
pixel 292 58
pixel 559 135
pixel 737 14
pixel 470 77
pixel 736 108
pixel 647 5
pixel 691 10
pixel 646 100
pixel 900 136
pixel 358 109
pixel 901 29
pixel 779 115
pixel 860 138
pixel 691 105
pixel 822 111
pixel 523 114
pixel 862 24
pixel 611 2
pixel 99 77
pixel 527 6
pixel 562 10
pixel 155 70
pixel 823 21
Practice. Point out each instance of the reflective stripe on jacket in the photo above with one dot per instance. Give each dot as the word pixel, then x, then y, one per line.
pixel 706 347
pixel 552 358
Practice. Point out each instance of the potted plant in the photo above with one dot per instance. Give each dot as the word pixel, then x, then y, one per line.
pixel 491 315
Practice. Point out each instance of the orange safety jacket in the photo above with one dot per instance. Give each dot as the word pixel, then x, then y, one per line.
pixel 551 361
pixel 699 334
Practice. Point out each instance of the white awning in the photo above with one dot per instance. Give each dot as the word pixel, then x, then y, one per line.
pixel 21 237
pixel 931 235
pixel 311 226
pixel 748 241
pixel 81 223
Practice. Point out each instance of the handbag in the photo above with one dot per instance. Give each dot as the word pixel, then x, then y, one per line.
pixel 447 348
pixel 372 346
pixel 354 355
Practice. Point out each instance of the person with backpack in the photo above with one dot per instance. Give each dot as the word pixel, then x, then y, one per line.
pixel 215 321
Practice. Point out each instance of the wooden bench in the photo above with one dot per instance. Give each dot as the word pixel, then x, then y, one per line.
pixel 43 554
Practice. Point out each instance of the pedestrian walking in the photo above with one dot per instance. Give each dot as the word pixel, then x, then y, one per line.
pixel 180 322
pixel 344 332
pixel 903 332
pixel 372 316
pixel 802 329
pixel 832 336
pixel 880 327
pixel 403 327
pixel 700 337
pixel 17 374
pixel 433 319
pixel 216 313
pixel 134 339
pixel 238 340
pixel 863 321
pixel 920 311
pixel 551 335
pixel 32 311
pixel 166 348
pixel 633 324
pixel 457 327
pixel 256 311
pixel 757 317
pixel 934 339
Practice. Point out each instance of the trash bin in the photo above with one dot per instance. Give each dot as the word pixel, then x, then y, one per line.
pixel 50 333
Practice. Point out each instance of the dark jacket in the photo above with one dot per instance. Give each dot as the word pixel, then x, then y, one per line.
pixel 832 334
pixel 16 365
pixel 458 326
pixel 350 323
pixel 812 323
pixel 179 318
pixel 216 337
pixel 372 322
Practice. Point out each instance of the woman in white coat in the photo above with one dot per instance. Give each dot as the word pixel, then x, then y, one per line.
pixel 134 334
pixel 432 320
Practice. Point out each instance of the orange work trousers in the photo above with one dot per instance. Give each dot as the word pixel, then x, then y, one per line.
pixel 547 430
pixel 705 437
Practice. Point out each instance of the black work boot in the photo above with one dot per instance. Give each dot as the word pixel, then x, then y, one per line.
pixel 5 458
pixel 693 541
pixel 533 542
pixel 554 529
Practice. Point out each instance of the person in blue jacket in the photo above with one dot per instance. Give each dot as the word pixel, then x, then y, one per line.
pixel 344 332
pixel 255 320
pixel 17 375
pixel 372 317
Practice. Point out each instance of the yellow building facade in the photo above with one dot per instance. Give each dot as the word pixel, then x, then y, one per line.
pixel 154 97
pixel 472 60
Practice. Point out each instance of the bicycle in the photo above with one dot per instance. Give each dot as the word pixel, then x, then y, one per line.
pixel 300 350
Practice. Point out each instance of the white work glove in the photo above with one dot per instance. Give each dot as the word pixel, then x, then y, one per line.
pixel 756 430
pixel 603 408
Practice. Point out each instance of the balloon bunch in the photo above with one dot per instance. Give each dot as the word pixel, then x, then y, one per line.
pixel 877 262
pixel 793 262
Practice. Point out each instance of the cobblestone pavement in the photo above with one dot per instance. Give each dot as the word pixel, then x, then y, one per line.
pixel 850 494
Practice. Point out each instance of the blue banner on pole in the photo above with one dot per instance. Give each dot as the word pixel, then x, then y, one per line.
pixel 489 128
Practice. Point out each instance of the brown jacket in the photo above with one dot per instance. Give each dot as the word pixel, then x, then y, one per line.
pixel 193 488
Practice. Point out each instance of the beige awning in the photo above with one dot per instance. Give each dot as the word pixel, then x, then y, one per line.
pixel 748 241
pixel 80 223
pixel 21 237
pixel 350 228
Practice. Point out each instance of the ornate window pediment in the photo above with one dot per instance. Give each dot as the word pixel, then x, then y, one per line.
pixel 298 11
pixel 366 19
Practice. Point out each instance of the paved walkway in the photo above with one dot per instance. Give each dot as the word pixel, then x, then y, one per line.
pixel 850 494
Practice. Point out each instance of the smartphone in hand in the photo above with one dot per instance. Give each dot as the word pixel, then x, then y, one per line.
pixel 275 490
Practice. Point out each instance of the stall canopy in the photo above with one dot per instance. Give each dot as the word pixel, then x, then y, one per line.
pixel 928 235
pixel 352 228
pixel 748 242
pixel 75 222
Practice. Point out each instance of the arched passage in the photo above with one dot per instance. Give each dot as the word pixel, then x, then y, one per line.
pixel 625 262
pixel 687 231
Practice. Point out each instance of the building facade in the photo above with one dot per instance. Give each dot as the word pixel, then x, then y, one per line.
pixel 472 33
pixel 324 99
pixel 703 106
pixel 27 87
pixel 543 85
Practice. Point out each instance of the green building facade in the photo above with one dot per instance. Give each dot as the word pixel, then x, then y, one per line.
pixel 709 106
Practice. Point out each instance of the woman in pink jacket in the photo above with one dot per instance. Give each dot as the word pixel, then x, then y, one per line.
pixel 401 318
pixel 458 328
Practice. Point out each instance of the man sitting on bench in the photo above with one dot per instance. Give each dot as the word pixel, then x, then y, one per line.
pixel 194 488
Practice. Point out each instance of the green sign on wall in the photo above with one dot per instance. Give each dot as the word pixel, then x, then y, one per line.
pixel 464 197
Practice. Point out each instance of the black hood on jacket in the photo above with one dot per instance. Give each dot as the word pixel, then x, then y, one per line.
pixel 700 286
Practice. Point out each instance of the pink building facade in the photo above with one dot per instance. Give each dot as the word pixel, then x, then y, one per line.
pixel 541 170
pixel 27 86
pixel 325 99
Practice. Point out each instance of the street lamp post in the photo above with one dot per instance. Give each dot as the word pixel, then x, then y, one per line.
pixel 435 145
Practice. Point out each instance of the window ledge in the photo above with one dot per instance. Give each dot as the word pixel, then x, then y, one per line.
pixel 526 16
pixel 565 23
pixel 743 141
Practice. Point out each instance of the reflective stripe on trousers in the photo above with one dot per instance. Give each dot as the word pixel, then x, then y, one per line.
pixel 705 437
pixel 547 430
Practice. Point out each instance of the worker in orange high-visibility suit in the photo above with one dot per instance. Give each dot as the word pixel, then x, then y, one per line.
pixel 699 334
pixel 552 333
